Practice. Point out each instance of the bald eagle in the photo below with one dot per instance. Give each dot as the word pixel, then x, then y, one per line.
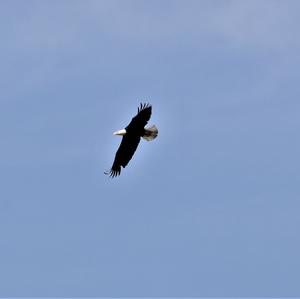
pixel 131 137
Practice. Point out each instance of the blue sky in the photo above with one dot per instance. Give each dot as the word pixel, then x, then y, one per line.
pixel 210 208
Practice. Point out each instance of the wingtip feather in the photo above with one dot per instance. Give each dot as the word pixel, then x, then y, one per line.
pixel 113 173
pixel 143 106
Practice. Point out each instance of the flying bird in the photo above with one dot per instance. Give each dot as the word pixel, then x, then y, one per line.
pixel 131 137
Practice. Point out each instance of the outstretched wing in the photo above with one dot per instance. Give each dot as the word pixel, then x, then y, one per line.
pixel 124 154
pixel 141 119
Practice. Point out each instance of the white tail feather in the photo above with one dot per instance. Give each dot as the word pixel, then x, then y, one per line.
pixel 150 133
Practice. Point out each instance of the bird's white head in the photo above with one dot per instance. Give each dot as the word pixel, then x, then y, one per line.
pixel 120 132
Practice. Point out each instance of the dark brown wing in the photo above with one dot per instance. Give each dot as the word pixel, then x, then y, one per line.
pixel 141 119
pixel 124 154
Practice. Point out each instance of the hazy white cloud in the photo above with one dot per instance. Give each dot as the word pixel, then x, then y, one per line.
pixel 255 23
pixel 260 23
pixel 59 24
pixel 43 39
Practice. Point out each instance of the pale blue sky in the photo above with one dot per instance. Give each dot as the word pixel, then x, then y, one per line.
pixel 210 208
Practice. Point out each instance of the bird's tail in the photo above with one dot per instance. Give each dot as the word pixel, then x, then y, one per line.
pixel 150 133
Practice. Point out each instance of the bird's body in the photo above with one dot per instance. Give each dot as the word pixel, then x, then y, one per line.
pixel 131 137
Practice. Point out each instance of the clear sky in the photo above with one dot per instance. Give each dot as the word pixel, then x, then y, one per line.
pixel 209 208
